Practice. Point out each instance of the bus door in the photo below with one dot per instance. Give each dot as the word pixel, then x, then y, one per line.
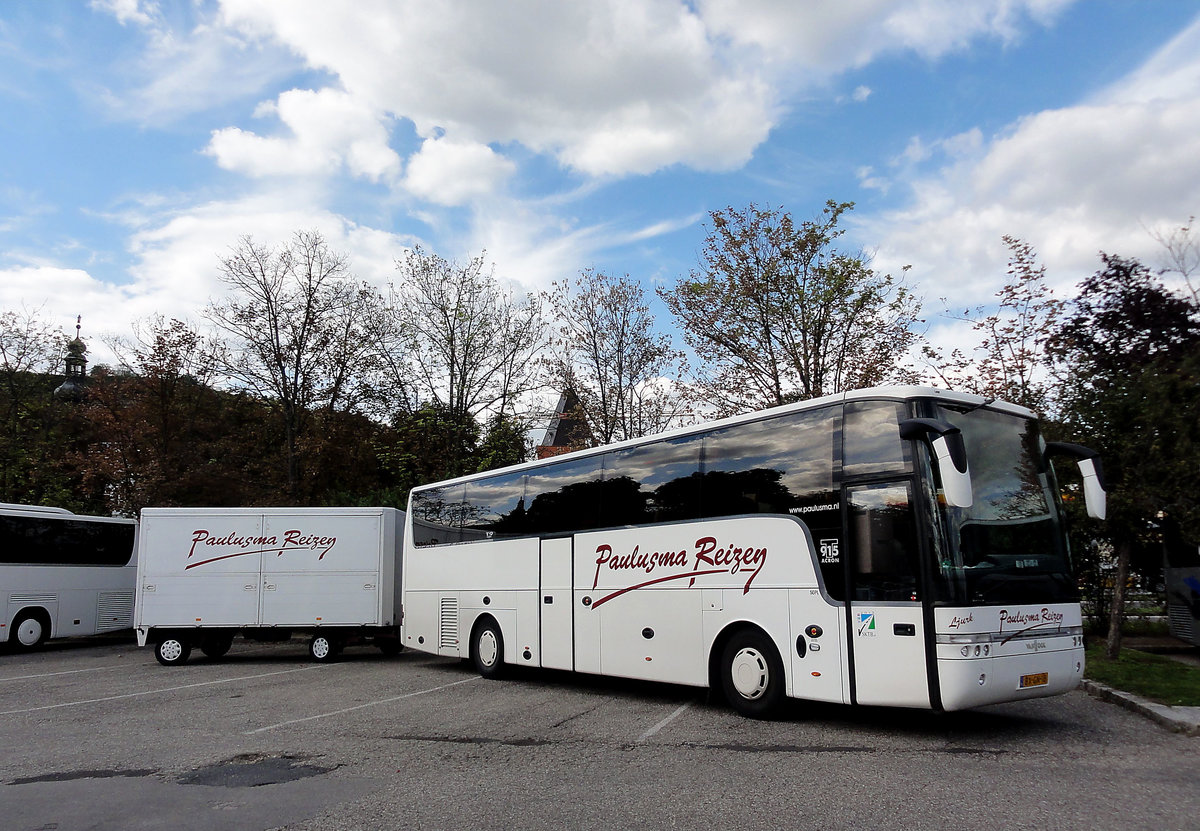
pixel 556 611
pixel 884 606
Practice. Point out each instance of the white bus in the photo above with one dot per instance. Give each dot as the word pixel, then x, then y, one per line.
pixel 63 575
pixel 898 546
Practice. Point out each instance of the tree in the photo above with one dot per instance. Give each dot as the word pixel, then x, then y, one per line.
pixel 1181 247
pixel 777 313
pixel 31 353
pixel 296 321
pixel 607 350
pixel 1130 353
pixel 450 336
pixel 1010 361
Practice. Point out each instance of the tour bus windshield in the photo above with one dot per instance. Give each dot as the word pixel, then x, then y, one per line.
pixel 1009 546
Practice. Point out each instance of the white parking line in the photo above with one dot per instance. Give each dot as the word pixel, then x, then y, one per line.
pixel 663 723
pixel 360 706
pixel 64 672
pixel 155 692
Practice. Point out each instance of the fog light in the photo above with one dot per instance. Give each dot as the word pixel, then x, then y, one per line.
pixel 982 679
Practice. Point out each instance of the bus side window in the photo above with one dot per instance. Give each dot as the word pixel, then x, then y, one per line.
pixel 884 559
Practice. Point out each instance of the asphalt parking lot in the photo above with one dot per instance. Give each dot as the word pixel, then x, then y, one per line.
pixel 99 736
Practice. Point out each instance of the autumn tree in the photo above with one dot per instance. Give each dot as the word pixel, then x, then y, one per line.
pixel 1130 354
pixel 1010 360
pixel 1181 254
pixel 451 337
pixel 607 350
pixel 776 312
pixel 295 321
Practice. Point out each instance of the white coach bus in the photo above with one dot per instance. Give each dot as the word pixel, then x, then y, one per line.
pixel 63 575
pixel 896 546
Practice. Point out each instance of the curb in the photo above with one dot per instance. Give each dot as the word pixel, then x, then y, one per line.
pixel 1185 720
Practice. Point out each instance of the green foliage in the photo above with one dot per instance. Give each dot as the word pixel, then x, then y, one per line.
pixel 1149 676
pixel 776 312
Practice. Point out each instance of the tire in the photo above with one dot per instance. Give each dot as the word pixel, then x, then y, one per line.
pixel 487 649
pixel 390 647
pixel 752 674
pixel 29 630
pixel 323 649
pixel 215 646
pixel 172 652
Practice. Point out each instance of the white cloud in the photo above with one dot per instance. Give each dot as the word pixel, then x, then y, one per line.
pixel 824 38
pixel 608 88
pixel 327 130
pixel 449 172
pixel 1071 182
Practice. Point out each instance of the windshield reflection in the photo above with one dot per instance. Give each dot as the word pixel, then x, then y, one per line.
pixel 1009 546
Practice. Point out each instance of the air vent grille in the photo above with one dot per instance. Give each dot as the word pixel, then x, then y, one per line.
pixel 448 624
pixel 114 611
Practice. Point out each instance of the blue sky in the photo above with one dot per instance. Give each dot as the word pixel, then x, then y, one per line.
pixel 140 140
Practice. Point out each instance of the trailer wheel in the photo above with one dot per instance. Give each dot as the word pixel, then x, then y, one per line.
pixel 215 646
pixel 172 652
pixel 487 649
pixel 752 674
pixel 390 647
pixel 29 629
pixel 323 649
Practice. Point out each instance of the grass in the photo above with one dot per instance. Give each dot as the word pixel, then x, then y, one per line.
pixel 1151 676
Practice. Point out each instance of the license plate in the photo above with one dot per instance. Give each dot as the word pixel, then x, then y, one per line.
pixel 1037 679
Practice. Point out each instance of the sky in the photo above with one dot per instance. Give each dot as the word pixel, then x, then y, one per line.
pixel 140 140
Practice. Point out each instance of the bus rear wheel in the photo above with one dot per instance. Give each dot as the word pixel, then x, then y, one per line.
pixel 29 630
pixel 752 674
pixel 172 652
pixel 487 649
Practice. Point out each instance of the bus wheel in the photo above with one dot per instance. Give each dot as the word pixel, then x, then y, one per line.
pixel 487 649
pixel 390 647
pixel 752 674
pixel 29 630
pixel 172 652
pixel 216 646
pixel 323 649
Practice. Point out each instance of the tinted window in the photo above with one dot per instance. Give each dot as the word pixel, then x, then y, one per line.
pixel 872 439
pixel 564 497
pixel 656 482
pixel 495 507
pixel 438 514
pixel 885 557
pixel 46 541
pixel 778 465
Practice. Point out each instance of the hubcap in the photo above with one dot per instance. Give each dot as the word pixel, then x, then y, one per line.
pixel 171 650
pixel 30 631
pixel 320 648
pixel 488 648
pixel 749 673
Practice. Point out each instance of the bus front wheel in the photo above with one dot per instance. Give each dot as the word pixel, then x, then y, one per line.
pixel 487 649
pixel 29 630
pixel 752 674
pixel 172 652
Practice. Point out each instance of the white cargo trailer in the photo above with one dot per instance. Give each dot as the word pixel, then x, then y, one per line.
pixel 205 575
